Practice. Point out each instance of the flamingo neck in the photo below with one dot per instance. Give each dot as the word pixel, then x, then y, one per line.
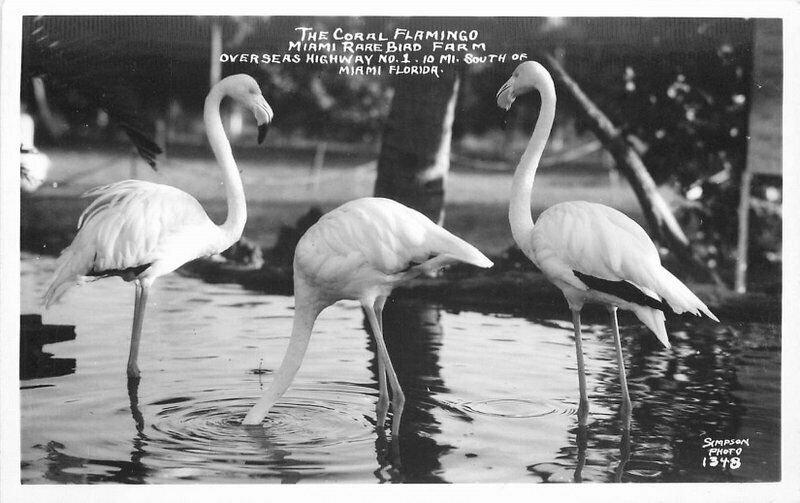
pixel 307 308
pixel 233 226
pixel 519 210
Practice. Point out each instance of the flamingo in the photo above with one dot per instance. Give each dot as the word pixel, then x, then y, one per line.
pixel 593 253
pixel 361 251
pixel 33 164
pixel 141 230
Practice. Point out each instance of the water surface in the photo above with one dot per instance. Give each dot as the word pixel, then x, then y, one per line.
pixel 490 397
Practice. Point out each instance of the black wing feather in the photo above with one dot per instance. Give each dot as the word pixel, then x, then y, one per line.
pixel 624 290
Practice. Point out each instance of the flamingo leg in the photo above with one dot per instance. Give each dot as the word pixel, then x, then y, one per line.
pixel 581 440
pixel 624 454
pixel 398 398
pixel 623 381
pixel 583 405
pixel 133 397
pixel 383 391
pixel 136 333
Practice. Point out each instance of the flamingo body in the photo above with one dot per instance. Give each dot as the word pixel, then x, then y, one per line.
pixel 592 252
pixel 137 230
pixel 366 247
pixel 579 239
pixel 361 251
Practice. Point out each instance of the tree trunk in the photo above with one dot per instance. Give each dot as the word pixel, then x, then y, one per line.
pixel 663 225
pixel 412 167
pixel 415 152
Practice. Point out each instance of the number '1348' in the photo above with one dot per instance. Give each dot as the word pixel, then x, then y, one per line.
pixel 714 461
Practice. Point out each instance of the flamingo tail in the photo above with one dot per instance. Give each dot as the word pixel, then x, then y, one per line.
pixel 654 320
pixel 679 297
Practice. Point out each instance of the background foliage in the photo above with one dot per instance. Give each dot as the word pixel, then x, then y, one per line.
pixel 679 88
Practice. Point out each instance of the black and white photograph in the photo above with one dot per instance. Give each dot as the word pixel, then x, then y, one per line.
pixel 352 249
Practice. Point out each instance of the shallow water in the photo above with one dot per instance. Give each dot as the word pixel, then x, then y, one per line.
pixel 490 397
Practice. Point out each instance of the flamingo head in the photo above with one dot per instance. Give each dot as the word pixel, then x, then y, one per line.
pixel 244 89
pixel 527 76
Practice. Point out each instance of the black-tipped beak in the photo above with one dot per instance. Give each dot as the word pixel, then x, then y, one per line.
pixel 505 96
pixel 263 114
pixel 262 132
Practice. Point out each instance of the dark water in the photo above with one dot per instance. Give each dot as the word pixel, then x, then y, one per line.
pixel 490 397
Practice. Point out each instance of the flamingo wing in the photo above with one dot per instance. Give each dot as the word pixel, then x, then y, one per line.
pixel 589 245
pixel 130 227
pixel 594 240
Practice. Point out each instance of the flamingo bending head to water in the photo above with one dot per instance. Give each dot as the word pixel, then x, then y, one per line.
pixel 361 251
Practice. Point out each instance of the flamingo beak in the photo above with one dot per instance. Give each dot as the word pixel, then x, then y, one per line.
pixel 506 95
pixel 263 113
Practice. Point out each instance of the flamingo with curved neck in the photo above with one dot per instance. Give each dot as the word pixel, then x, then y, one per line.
pixel 593 253
pixel 140 230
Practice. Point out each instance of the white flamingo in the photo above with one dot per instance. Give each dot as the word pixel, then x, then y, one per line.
pixel 361 251
pixel 33 164
pixel 140 230
pixel 593 253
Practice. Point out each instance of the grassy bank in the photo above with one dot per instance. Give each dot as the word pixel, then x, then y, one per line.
pixel 282 184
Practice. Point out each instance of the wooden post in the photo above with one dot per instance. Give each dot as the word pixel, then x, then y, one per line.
pixel 215 71
pixel 764 148
pixel 744 228
pixel 316 169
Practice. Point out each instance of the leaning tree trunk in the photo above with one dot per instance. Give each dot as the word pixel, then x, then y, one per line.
pixel 663 225
pixel 415 152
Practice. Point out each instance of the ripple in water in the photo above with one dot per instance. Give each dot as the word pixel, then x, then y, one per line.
pixel 516 408
pixel 211 428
